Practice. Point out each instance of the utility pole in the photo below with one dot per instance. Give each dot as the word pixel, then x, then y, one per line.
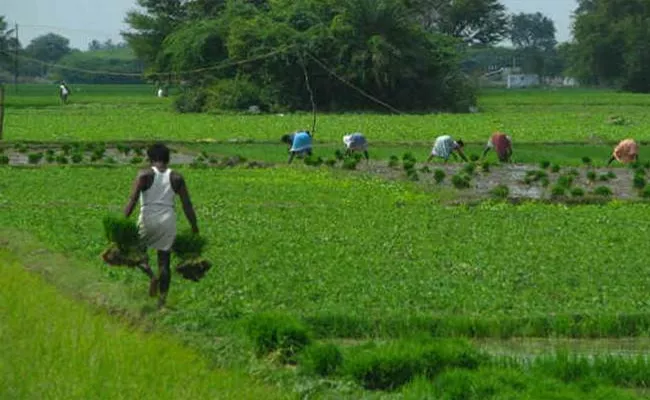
pixel 16 59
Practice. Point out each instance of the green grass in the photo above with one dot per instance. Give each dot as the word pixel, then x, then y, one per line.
pixel 295 246
pixel 109 112
pixel 55 348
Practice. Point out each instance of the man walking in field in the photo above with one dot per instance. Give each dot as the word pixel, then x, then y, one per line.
pixel 445 146
pixel 299 144
pixel 356 142
pixel 156 188
pixel 502 145
pixel 64 92
pixel 627 151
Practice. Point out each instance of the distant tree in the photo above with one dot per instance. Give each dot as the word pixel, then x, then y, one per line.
pixel 473 21
pixel 611 43
pixel 49 48
pixel 94 45
pixel 8 45
pixel 532 31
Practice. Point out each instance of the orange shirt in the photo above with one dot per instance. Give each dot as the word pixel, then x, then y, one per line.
pixel 626 151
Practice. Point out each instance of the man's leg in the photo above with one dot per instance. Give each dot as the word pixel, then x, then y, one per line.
pixel 146 268
pixel 365 153
pixel 165 277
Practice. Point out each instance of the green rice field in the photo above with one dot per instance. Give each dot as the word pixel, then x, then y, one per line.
pixel 330 283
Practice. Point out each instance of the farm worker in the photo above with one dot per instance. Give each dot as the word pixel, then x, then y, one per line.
pixel 156 188
pixel 161 92
pixel 64 92
pixel 445 146
pixel 502 145
pixel 626 151
pixel 299 144
pixel 356 142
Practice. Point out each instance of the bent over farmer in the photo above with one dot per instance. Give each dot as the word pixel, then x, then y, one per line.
pixel 356 142
pixel 502 145
pixel 626 151
pixel 156 188
pixel 299 144
pixel 445 146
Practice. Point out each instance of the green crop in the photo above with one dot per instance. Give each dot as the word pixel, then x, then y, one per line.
pixel 121 231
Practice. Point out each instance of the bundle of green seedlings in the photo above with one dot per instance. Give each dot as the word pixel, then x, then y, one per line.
pixel 125 248
pixel 188 247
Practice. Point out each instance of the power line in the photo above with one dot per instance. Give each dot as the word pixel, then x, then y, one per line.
pixel 358 89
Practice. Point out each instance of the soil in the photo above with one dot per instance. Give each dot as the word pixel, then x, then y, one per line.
pixel 513 176
pixel 194 270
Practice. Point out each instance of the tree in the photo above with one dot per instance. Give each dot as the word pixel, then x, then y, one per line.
pixel 8 45
pixel 532 31
pixel 473 21
pixel 49 48
pixel 611 43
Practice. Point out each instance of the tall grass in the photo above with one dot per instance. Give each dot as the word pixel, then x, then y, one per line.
pixel 54 348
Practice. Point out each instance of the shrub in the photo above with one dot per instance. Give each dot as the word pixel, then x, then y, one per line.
pixel 121 231
pixel 188 245
pixel 500 192
pixel 4 160
pixel 586 160
pixel 461 181
pixel 603 191
pixel 390 366
pixel 639 181
pixel 192 100
pixel 577 192
pixel 321 359
pixel 408 156
pixel 232 94
pixel 558 191
pixel 565 181
pixel 350 163
pixel 592 176
pixel 555 168
pixel 270 332
pixel 34 158
pixel 469 169
pixel 544 164
pixel 77 158
pixel 393 162
pixel 439 175
pixel 137 160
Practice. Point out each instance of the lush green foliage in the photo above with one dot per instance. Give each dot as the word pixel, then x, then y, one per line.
pixel 277 333
pixel 121 231
pixel 188 245
pixel 53 347
pixel 321 359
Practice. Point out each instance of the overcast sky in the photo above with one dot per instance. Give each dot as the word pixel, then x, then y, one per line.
pixel 84 20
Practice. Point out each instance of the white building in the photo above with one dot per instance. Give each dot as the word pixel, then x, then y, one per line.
pixel 517 81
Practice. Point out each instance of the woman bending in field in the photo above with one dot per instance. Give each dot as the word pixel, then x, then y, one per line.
pixel 502 145
pixel 299 144
pixel 626 151
pixel 445 146
pixel 356 142
pixel 156 188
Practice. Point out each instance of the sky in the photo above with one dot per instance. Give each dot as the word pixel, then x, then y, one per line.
pixel 84 20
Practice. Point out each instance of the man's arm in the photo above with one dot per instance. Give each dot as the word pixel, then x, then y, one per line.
pixel 291 156
pixel 487 149
pixel 462 155
pixel 188 208
pixel 136 188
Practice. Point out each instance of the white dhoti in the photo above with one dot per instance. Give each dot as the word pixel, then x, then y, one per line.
pixel 158 229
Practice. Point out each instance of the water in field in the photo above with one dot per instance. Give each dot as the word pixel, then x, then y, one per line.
pixel 535 347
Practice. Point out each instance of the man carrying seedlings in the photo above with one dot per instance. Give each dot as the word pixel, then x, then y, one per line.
pixel 502 145
pixel 356 142
pixel 156 187
pixel 626 151
pixel 445 146
pixel 299 144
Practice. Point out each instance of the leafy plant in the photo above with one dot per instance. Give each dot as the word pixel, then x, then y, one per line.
pixel 439 175
pixel 645 193
pixel 461 181
pixel 485 166
pixel 586 160
pixel 565 180
pixel 350 163
pixel 544 164
pixel 330 162
pixel 592 176
pixel 136 160
pixel 121 231
pixel 425 170
pixel 500 192
pixel 321 359
pixel 639 181
pixel 473 158
pixel 339 155
pixel 277 333
pixel 603 191
pixel 393 162
pixel 4 160
pixel 558 191
pixel 61 159
pixel 77 158
pixel 34 158
pixel 314 161
pixel 555 168
pixel 188 245
pixel 469 169
pixel 577 192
